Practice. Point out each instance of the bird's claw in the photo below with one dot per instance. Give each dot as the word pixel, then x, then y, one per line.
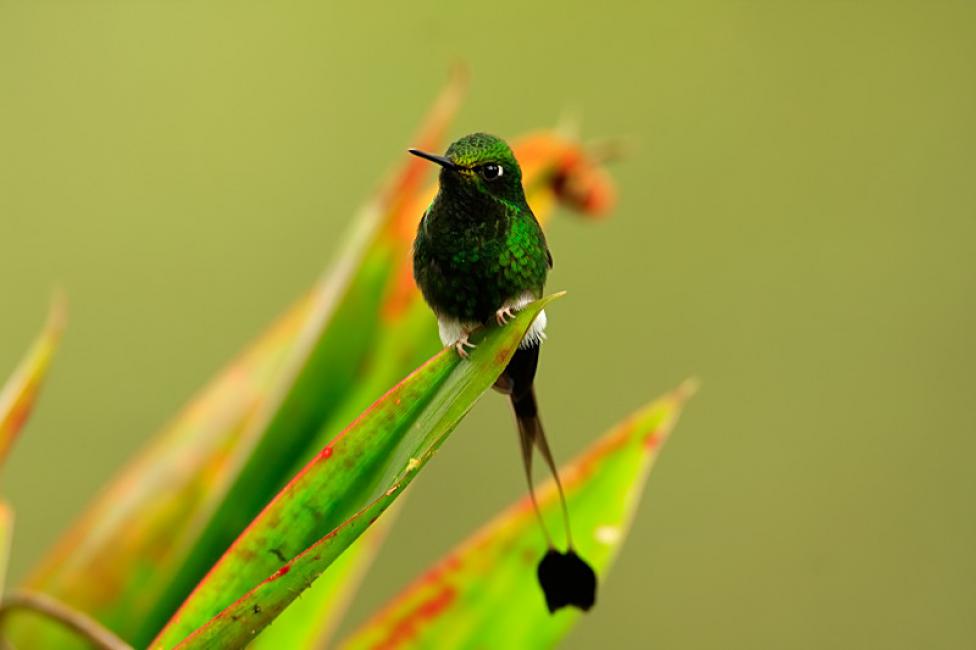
pixel 463 343
pixel 503 315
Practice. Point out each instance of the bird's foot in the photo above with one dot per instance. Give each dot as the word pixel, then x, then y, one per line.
pixel 463 343
pixel 503 315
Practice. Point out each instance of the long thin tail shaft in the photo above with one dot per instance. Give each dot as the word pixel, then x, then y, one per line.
pixel 525 440
pixel 531 433
pixel 517 382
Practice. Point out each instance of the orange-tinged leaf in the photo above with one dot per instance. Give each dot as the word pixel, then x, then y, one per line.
pixel 6 537
pixel 19 394
pixel 484 594
pixel 124 544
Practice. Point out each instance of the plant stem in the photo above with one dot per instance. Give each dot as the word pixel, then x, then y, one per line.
pixel 72 619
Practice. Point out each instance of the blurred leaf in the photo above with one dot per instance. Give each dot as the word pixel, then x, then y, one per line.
pixel 339 494
pixel 6 537
pixel 20 392
pixel 484 594
pixel 17 399
pixel 118 556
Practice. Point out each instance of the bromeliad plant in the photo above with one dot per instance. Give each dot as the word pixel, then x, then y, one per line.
pixel 261 490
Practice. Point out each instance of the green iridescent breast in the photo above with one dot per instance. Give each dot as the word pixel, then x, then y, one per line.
pixel 468 268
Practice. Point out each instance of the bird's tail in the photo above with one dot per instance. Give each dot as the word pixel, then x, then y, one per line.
pixel 532 435
pixel 565 578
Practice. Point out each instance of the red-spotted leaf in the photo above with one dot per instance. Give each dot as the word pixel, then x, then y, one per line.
pixel 339 494
pixel 311 620
pixel 484 594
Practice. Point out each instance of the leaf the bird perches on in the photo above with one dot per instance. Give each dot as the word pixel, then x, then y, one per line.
pixel 336 497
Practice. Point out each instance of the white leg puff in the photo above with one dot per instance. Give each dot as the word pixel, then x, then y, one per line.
pixel 454 332
pixel 537 332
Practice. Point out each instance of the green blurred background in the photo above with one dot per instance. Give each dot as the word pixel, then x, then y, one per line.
pixel 796 227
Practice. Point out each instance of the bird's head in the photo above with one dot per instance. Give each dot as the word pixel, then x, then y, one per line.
pixel 479 164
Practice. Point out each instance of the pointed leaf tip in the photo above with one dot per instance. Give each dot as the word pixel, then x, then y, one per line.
pixel 687 389
pixel 18 395
pixel 57 314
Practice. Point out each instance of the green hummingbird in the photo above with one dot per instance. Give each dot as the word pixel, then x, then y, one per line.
pixel 480 256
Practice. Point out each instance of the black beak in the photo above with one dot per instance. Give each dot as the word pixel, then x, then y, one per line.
pixel 440 160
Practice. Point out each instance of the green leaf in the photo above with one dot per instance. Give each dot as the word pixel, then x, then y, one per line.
pixel 484 594
pixel 311 620
pixel 19 394
pixel 339 493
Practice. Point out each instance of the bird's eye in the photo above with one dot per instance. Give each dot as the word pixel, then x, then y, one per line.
pixel 491 171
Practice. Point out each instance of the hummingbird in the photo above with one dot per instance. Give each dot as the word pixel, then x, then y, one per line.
pixel 479 257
